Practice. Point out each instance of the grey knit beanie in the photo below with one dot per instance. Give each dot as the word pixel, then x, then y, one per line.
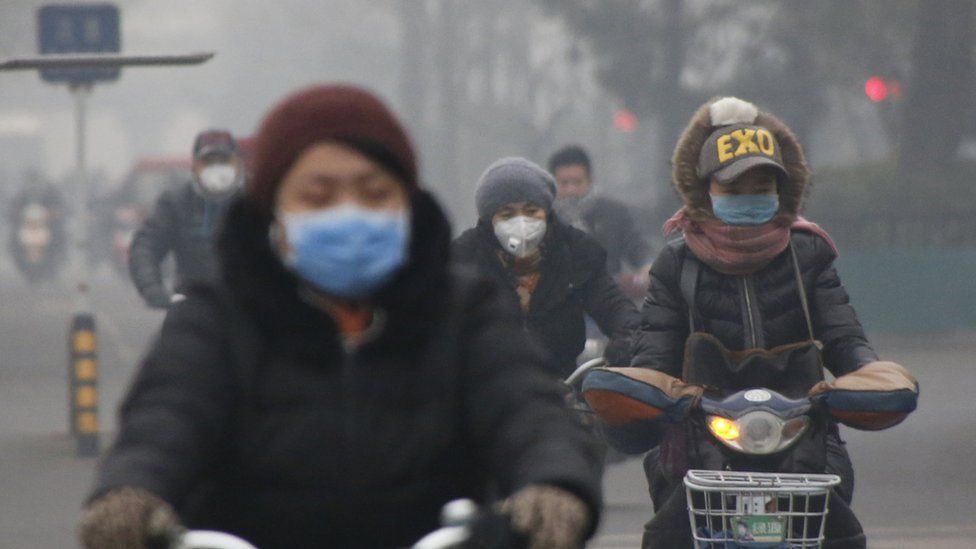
pixel 510 180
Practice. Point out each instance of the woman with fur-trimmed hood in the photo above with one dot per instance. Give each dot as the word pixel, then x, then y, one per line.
pixel 742 176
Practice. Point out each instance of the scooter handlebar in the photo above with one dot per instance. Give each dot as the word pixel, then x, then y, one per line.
pixel 207 539
pixel 580 372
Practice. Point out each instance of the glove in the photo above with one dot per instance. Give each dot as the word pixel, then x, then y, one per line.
pixel 127 518
pixel 876 396
pixel 551 517
pixel 878 376
pixel 157 297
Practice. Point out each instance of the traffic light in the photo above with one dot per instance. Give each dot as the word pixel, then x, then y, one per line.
pixel 625 121
pixel 878 89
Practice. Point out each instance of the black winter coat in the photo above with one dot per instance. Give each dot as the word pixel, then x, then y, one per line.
pixel 573 282
pixel 250 416
pixel 184 223
pixel 762 310
pixel 612 226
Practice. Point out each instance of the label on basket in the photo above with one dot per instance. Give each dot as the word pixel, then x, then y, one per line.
pixel 758 528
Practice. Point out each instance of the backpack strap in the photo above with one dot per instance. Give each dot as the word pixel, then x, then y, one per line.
pixel 803 293
pixel 806 306
pixel 688 282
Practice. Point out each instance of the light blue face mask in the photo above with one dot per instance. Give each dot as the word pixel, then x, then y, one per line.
pixel 348 251
pixel 745 209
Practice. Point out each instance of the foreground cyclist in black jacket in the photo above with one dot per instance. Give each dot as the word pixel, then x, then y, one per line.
pixel 341 382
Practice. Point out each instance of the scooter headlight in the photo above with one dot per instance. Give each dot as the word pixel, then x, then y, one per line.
pixel 758 432
pixel 724 429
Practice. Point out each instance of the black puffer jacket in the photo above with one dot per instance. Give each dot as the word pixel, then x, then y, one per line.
pixel 182 223
pixel 770 316
pixel 573 282
pixel 612 226
pixel 761 310
pixel 250 416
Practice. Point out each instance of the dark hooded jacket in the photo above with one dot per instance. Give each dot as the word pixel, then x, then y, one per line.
pixel 573 282
pixel 185 224
pixel 250 416
pixel 612 225
pixel 758 310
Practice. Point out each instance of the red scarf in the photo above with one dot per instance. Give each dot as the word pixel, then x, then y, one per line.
pixel 738 250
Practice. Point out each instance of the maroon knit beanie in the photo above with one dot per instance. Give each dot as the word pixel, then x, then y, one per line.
pixel 341 113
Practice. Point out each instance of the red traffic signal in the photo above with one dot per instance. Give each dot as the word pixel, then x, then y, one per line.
pixel 876 89
pixel 625 121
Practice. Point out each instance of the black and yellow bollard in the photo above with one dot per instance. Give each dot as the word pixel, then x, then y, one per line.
pixel 83 384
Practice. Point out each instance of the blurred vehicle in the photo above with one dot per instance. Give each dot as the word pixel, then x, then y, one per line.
pixel 37 236
pixel 129 205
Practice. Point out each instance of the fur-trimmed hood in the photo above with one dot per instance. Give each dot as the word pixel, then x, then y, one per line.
pixel 694 190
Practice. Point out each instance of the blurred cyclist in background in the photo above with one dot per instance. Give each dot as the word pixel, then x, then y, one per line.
pixel 609 221
pixel 185 221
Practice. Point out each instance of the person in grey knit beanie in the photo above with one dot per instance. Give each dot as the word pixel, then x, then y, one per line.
pixel 554 274
pixel 513 179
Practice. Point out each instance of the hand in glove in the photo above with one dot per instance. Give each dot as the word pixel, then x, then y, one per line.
pixel 157 297
pixel 877 395
pixel 551 517
pixel 127 518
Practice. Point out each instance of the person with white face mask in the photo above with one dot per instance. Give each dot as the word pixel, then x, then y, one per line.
pixel 186 220
pixel 551 272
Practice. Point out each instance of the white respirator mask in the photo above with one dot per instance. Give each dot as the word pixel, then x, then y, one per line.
pixel 521 235
pixel 218 179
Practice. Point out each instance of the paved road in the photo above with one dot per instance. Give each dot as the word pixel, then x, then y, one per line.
pixel 916 483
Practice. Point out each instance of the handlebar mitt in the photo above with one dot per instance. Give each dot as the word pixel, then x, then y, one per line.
pixel 876 396
pixel 634 403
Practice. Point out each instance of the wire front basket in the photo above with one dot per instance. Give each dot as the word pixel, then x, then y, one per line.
pixel 733 509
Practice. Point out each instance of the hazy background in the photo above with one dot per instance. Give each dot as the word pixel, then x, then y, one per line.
pixel 478 80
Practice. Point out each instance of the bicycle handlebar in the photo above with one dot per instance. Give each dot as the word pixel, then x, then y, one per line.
pixel 582 369
pixel 207 539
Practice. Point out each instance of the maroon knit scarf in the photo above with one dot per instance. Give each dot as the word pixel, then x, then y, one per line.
pixel 738 250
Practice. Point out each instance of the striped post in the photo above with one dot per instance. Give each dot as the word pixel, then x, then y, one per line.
pixel 83 384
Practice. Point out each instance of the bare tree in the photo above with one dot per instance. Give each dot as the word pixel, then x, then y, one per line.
pixel 941 88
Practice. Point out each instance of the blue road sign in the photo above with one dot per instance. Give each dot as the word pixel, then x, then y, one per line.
pixel 78 28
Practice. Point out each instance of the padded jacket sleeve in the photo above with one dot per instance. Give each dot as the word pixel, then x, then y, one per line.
pixel 659 342
pixel 150 244
pixel 173 421
pixel 616 315
pixel 516 417
pixel 835 323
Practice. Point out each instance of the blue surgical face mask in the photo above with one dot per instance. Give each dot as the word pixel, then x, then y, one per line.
pixel 745 209
pixel 348 251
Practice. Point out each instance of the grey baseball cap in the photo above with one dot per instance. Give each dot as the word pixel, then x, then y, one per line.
pixel 214 142
pixel 731 150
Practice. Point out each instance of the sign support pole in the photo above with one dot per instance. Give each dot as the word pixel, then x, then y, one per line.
pixel 82 339
pixel 81 92
pixel 83 347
